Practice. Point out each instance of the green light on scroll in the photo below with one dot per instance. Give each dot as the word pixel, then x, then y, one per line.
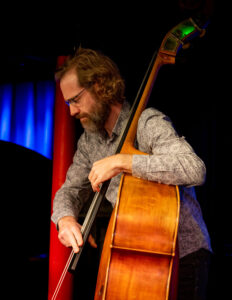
pixel 184 29
pixel 178 35
pixel 188 30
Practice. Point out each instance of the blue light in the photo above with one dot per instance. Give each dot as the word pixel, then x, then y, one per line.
pixel 26 115
pixel 44 117
pixel 6 93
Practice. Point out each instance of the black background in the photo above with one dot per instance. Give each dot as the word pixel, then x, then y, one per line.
pixel 194 93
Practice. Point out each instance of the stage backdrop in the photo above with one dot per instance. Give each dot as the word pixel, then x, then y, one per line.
pixel 27 113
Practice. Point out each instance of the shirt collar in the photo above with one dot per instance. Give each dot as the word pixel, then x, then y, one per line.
pixel 123 116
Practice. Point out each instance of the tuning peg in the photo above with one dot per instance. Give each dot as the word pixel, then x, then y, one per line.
pixel 186 46
pixel 203 31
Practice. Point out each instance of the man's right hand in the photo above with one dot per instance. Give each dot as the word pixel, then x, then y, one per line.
pixel 70 233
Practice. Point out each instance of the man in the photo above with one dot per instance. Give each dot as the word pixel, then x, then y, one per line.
pixel 94 90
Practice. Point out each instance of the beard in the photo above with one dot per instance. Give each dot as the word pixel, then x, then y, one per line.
pixel 95 120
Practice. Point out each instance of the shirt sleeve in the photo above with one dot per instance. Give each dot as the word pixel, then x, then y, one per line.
pixel 75 191
pixel 170 159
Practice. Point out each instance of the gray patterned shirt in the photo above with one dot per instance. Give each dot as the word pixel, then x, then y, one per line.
pixel 171 160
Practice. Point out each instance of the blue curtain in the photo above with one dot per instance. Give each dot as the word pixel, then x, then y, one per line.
pixel 26 115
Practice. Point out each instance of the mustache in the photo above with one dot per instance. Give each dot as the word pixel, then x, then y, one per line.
pixel 84 115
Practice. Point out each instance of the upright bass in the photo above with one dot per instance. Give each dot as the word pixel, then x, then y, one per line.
pixel 140 256
pixel 140 253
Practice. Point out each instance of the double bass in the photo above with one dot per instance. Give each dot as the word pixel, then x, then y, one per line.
pixel 140 253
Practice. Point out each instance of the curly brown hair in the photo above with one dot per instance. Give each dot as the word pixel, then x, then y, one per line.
pixel 97 73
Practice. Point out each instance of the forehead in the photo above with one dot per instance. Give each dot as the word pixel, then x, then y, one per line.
pixel 69 83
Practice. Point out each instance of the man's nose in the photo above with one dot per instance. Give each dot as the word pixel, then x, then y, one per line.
pixel 74 110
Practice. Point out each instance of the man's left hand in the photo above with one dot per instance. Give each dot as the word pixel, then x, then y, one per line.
pixel 109 167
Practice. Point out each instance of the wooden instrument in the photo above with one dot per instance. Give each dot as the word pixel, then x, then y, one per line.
pixel 140 248
pixel 141 241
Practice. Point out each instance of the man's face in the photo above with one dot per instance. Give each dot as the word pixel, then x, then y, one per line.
pixel 92 113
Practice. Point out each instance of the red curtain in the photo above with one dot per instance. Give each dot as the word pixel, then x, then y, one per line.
pixel 64 147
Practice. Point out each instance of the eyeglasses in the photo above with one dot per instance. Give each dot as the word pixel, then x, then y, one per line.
pixel 76 99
